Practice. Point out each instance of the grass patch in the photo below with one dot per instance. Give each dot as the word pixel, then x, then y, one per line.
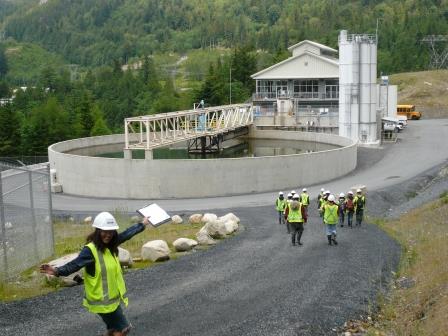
pixel 421 309
pixel 70 237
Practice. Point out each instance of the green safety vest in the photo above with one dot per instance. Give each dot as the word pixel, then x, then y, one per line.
pixel 330 214
pixel 104 290
pixel 359 202
pixel 304 197
pixel 281 204
pixel 295 216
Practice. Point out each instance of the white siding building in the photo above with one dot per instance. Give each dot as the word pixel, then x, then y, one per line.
pixel 305 83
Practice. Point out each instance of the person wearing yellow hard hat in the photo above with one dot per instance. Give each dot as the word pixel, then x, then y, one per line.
pixel 104 285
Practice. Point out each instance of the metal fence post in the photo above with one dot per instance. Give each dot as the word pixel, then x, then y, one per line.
pixel 4 272
pixel 33 214
pixel 50 209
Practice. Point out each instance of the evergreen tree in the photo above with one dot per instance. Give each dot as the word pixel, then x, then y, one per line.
pixel 10 125
pixel 99 126
pixel 4 89
pixel 3 62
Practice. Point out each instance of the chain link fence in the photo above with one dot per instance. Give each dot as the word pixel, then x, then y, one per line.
pixel 26 229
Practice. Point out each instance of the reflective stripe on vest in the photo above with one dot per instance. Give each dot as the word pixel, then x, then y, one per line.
pixel 305 199
pixel 295 216
pixel 106 288
pixel 331 214
pixel 281 204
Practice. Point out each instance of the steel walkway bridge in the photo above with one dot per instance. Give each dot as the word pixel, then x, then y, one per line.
pixel 204 129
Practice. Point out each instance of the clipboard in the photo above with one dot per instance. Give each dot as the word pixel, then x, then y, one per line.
pixel 157 216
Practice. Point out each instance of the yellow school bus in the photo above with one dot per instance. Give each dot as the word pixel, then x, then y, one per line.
pixel 409 111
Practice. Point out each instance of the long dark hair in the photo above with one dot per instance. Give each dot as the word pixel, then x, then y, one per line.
pixel 95 237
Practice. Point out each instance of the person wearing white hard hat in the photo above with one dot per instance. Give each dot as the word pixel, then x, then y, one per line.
pixel 349 208
pixel 288 201
pixel 360 204
pixel 280 205
pixel 323 201
pixel 341 209
pixel 296 217
pixel 321 194
pixel 330 211
pixel 305 200
pixel 99 258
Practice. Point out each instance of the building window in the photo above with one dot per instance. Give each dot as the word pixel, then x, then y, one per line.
pixel 332 89
pixel 272 89
pixel 306 88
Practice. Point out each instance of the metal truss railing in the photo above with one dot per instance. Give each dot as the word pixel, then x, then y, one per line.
pixel 160 130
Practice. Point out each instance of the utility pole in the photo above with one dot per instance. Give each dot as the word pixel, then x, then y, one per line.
pixel 230 84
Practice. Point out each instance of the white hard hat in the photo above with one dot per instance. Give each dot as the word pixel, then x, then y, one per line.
pixel 327 192
pixel 293 192
pixel 289 195
pixel 350 192
pixel 322 189
pixel 304 189
pixel 341 195
pixel 331 198
pixel 280 193
pixel 359 190
pixel 105 221
pixel 296 196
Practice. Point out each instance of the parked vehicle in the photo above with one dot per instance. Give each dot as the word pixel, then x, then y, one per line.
pixel 391 124
pixel 408 111
pixel 402 120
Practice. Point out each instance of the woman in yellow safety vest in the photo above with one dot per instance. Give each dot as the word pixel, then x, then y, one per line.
pixel 330 211
pixel 280 205
pixel 103 279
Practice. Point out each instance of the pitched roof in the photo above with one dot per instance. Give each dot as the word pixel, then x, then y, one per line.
pixel 318 45
pixel 332 61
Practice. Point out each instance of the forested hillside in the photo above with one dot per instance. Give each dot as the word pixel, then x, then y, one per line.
pixel 95 32
pixel 73 57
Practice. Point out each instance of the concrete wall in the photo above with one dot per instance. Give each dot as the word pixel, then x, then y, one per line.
pixel 152 179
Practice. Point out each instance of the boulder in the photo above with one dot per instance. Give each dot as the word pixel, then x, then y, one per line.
pixel 184 244
pixel 125 257
pixel 204 238
pixel 216 229
pixel 88 220
pixel 230 216
pixel 195 219
pixel 8 225
pixel 231 226
pixel 155 250
pixel 176 219
pixel 208 217
pixel 70 280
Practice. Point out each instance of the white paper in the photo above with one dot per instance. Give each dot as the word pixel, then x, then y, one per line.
pixel 155 214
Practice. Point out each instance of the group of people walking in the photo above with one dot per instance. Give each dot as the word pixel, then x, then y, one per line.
pixel 293 211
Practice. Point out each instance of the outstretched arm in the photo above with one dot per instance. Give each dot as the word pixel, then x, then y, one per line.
pixel 84 259
pixel 133 230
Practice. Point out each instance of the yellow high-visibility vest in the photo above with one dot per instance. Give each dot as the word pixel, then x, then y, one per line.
pixel 105 289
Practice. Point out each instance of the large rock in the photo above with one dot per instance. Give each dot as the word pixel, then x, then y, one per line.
pixel 125 257
pixel 216 228
pixel 231 226
pixel 184 244
pixel 204 238
pixel 195 219
pixel 176 219
pixel 155 250
pixel 209 217
pixel 88 220
pixel 230 216
pixel 70 280
pixel 136 219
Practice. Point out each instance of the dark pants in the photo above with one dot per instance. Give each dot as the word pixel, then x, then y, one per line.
pixel 341 218
pixel 350 218
pixel 281 217
pixel 359 215
pixel 296 230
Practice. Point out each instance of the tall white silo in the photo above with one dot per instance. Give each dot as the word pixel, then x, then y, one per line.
pixel 357 87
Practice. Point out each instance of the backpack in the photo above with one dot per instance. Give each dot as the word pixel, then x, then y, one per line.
pixel 349 205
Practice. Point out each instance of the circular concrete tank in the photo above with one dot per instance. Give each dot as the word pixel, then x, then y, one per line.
pixel 82 174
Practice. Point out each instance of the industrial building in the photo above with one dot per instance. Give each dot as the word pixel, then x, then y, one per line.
pixel 317 89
